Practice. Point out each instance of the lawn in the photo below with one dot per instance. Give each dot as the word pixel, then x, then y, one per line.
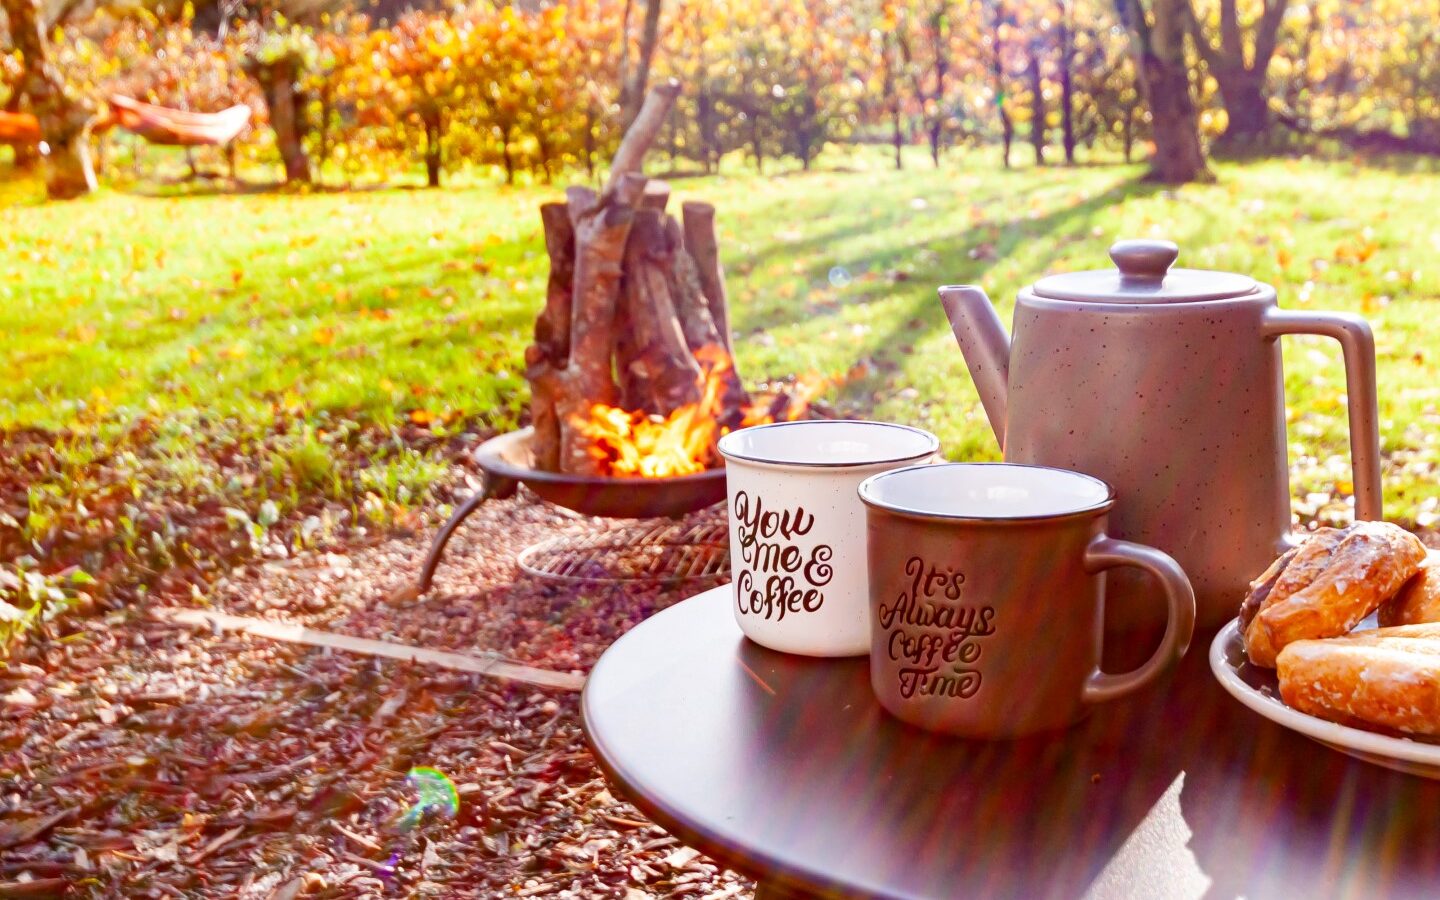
pixel 282 368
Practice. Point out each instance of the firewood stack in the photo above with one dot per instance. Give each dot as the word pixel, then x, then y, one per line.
pixel 635 310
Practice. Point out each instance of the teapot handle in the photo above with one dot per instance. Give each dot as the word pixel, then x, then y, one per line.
pixel 1358 343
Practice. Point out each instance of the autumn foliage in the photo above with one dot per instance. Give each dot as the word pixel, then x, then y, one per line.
pixel 529 90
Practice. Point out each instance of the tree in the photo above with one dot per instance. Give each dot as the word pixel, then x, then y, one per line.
pixel 1065 67
pixel 1000 26
pixel 278 59
pixel 1107 102
pixel 1035 81
pixel 1157 42
pixel 890 66
pixel 811 93
pixel 923 37
pixel 699 45
pixel 1241 80
pixel 65 120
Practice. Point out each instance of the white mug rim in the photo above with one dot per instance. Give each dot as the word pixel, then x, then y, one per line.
pixel 867 488
pixel 731 455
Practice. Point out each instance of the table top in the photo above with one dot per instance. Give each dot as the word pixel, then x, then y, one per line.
pixel 785 768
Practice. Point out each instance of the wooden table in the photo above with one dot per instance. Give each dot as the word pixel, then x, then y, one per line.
pixel 784 768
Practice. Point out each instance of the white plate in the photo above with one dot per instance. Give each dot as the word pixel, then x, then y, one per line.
pixel 1256 688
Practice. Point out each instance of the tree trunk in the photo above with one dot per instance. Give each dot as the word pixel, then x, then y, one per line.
pixel 64 121
pixel 756 145
pixel 997 74
pixel 1242 86
pixel 1164 80
pixel 433 157
pixel 1127 133
pixel 1037 105
pixel 896 138
pixel 1248 112
pixel 506 130
pixel 890 89
pixel 327 103
pixel 1067 84
pixel 277 81
pixel 705 123
pixel 632 87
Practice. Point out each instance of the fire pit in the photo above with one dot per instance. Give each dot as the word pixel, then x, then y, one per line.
pixel 507 463
pixel 631 372
pixel 507 458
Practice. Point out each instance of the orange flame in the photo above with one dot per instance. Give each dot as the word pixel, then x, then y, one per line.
pixel 633 443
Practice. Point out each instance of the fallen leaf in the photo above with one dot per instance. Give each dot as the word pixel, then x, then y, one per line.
pixel 25 830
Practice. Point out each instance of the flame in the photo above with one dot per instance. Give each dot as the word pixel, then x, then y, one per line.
pixel 633 443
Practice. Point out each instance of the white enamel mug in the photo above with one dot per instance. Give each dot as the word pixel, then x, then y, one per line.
pixel 797 528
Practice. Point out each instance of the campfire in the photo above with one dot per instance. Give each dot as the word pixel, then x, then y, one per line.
pixel 631 371
pixel 632 375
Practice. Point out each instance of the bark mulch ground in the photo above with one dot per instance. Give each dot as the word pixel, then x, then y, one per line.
pixel 144 758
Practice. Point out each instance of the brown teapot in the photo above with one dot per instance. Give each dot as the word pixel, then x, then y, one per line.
pixel 1166 383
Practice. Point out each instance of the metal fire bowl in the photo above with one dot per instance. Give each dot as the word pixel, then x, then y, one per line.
pixel 508 458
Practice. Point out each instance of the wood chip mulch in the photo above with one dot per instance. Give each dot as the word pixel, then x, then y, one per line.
pixel 145 759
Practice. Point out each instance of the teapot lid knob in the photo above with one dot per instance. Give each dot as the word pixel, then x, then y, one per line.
pixel 1143 260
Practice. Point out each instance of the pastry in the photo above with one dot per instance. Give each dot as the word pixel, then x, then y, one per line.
pixel 1312 555
pixel 1388 677
pixel 1419 600
pixel 1335 579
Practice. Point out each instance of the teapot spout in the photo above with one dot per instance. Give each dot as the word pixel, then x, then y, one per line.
pixel 984 344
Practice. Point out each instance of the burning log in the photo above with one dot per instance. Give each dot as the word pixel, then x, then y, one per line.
pixel 635 314
pixel 704 249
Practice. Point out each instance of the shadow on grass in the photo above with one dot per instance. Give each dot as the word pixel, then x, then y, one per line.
pixel 917 313
pixel 955 260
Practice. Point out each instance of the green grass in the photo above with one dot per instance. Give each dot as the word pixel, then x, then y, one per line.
pixel 312 335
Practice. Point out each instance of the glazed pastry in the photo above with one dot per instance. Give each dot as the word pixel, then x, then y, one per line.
pixel 1388 677
pixel 1312 555
pixel 1326 589
pixel 1419 600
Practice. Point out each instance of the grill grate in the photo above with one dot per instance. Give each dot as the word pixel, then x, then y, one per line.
pixel 649 551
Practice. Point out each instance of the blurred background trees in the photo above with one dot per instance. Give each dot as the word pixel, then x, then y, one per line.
pixel 344 91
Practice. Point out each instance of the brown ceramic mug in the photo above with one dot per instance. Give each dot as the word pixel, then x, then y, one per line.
pixel 987 597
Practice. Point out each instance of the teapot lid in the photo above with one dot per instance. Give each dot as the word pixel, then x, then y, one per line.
pixel 1143 275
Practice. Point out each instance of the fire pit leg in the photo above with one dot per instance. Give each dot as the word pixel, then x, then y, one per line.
pixel 495 488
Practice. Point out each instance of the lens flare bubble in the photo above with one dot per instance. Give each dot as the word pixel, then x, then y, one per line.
pixel 839 277
pixel 437 794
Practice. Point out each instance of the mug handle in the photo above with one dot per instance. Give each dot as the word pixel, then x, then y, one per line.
pixel 1106 552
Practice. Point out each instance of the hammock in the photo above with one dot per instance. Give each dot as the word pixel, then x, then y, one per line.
pixel 173 127
pixel 19 128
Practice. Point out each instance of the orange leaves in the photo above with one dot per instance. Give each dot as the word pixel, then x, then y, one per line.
pixel 1356 250
pixel 428 419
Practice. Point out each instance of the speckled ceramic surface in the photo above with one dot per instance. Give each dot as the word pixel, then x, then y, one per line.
pixel 797 528
pixel 973 567
pixel 1168 385
pixel 1256 687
